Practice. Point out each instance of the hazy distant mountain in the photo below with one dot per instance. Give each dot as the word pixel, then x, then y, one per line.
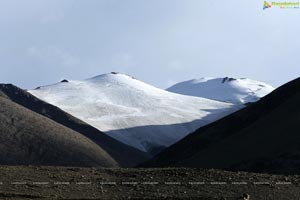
pixel 236 91
pixel 262 137
pixel 27 138
pixel 131 111
pixel 124 155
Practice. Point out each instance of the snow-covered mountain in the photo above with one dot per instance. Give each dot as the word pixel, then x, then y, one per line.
pixel 232 90
pixel 132 111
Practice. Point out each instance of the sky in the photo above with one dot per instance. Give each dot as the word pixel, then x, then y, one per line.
pixel 160 42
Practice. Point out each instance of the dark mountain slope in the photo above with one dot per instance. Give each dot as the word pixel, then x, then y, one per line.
pixel 27 138
pixel 125 155
pixel 263 137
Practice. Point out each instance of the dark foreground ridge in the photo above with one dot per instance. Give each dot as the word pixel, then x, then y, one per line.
pixel 125 155
pixel 173 183
pixel 27 138
pixel 263 137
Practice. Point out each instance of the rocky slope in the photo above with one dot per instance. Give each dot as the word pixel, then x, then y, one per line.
pixel 27 138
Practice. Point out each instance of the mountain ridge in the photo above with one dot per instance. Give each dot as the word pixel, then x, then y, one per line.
pixel 115 103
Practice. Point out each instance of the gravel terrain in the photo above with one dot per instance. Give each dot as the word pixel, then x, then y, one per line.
pixel 153 183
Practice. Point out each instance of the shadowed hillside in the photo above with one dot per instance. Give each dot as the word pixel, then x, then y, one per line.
pixel 27 138
pixel 125 155
pixel 262 137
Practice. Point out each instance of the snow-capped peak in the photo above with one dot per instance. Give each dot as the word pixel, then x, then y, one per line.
pixel 112 76
pixel 233 90
pixel 132 111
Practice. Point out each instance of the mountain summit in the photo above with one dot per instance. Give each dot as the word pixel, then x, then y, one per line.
pixel 132 111
pixel 236 91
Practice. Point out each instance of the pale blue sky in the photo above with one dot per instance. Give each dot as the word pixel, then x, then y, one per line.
pixel 158 41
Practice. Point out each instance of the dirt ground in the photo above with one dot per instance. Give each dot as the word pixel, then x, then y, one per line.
pixel 173 183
